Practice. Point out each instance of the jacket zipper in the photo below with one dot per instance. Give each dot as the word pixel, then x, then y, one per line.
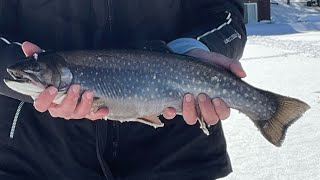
pixel 109 19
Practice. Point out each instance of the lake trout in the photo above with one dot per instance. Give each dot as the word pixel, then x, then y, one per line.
pixel 137 85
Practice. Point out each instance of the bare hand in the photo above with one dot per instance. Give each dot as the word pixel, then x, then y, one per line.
pixel 211 111
pixel 69 108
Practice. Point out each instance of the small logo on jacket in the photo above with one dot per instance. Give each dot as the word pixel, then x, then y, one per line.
pixel 232 37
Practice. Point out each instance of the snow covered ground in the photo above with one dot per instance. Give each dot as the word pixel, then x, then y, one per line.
pixel 289 65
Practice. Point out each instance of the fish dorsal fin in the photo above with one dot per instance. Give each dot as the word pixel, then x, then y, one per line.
pixel 153 45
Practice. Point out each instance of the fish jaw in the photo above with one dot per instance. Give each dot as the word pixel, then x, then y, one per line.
pixel 25 88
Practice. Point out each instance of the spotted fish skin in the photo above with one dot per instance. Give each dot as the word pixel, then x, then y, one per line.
pixel 134 84
pixel 147 82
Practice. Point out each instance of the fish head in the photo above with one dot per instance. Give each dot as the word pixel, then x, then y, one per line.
pixel 30 76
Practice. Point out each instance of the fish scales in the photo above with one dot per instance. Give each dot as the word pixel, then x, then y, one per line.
pixel 138 85
pixel 139 75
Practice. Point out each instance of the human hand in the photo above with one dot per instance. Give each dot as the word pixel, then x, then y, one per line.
pixel 69 107
pixel 211 110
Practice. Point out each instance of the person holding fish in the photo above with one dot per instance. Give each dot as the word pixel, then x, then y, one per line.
pixel 37 141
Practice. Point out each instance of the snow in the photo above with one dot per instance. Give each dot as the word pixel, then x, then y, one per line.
pixel 310 18
pixel 284 13
pixel 285 60
pixel 286 19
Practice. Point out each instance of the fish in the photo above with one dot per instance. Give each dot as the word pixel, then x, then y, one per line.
pixel 137 85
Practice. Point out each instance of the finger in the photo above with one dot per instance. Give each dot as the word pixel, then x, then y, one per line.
pixel 100 114
pixel 29 48
pixel 189 110
pixel 68 105
pixel 222 110
pixel 83 108
pixel 219 59
pixel 207 110
pixel 169 113
pixel 44 100
pixel 237 69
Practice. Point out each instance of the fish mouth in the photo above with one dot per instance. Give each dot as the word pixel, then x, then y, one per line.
pixel 24 77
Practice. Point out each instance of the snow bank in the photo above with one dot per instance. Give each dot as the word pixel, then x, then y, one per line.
pixel 278 29
pixel 310 18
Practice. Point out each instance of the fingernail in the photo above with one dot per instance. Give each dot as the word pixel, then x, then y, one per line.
pixel 202 98
pixel 89 95
pixel 188 98
pixel 52 90
pixel 75 89
pixel 216 102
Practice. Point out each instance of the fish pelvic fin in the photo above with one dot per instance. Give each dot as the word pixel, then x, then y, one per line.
pixel 289 110
pixel 151 120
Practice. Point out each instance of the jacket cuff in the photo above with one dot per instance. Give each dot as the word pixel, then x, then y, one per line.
pixel 183 45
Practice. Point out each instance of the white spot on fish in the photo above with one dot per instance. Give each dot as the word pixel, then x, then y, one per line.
pixel 224 91
pixel 233 92
pixel 170 93
pixel 154 76
pixel 214 78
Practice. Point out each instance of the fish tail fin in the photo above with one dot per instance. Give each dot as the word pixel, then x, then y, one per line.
pixel 289 110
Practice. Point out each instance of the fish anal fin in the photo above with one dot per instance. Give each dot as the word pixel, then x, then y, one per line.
pixel 289 110
pixel 203 125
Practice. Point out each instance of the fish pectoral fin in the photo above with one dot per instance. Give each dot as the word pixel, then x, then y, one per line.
pixel 151 120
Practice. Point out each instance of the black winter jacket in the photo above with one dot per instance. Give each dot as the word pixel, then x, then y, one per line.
pixel 97 24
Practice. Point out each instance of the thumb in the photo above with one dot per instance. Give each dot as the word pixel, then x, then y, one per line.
pixel 29 48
